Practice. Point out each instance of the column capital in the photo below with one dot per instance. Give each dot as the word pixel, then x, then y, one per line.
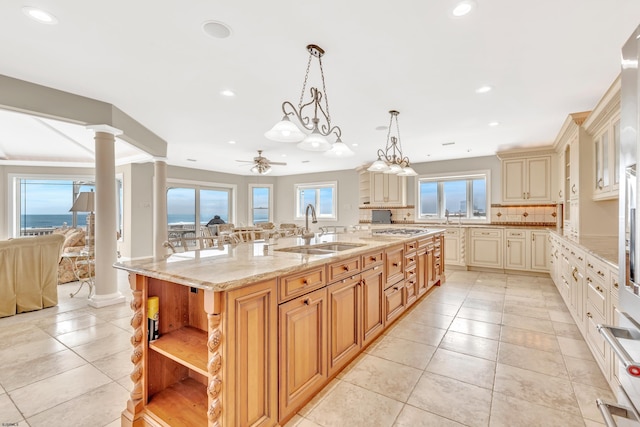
pixel 157 159
pixel 105 128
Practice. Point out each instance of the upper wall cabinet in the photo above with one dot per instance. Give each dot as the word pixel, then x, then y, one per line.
pixel 603 124
pixel 526 178
pixel 388 189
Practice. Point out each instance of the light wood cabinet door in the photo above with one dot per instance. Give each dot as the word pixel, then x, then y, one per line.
pixel 251 360
pixel 344 322
pixel 394 300
pixel 302 349
pixel 394 259
pixel 372 304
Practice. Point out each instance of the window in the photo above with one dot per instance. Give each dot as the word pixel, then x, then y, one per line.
pixel 43 203
pixel 189 204
pixel 260 202
pixel 322 196
pixel 462 196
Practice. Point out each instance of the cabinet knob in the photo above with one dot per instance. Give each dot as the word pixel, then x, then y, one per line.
pixel 304 282
pixel 615 285
pixel 307 301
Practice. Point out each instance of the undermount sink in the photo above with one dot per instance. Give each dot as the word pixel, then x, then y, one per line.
pixel 321 248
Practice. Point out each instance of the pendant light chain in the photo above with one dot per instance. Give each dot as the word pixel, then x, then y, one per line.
pixel 304 85
pixel 399 140
pixel 324 90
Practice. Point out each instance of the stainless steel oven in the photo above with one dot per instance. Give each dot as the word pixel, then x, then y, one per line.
pixel 625 337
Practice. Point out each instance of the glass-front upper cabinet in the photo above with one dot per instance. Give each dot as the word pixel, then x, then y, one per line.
pixel 603 125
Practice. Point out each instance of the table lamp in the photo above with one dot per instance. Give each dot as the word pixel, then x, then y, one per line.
pixel 85 202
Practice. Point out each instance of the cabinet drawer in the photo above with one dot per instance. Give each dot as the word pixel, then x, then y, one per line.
pixel 595 340
pixel 410 272
pixel 486 232
pixel 453 232
pixel 516 234
pixel 394 260
pixel 394 301
pixel 371 259
pixel 410 246
pixel 341 269
pixel 597 269
pixel 425 242
pixel 410 259
pixel 596 295
pixel 300 283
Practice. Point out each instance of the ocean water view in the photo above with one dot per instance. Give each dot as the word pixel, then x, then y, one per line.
pixel 53 221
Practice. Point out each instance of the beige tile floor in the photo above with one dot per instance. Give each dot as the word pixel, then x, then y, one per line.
pixel 484 349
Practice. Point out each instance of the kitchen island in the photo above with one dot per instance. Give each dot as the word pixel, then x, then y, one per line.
pixel 249 333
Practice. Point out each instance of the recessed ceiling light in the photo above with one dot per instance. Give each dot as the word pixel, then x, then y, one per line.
pixel 283 155
pixel 231 142
pixel 228 92
pixel 448 143
pixel 382 127
pixel 484 89
pixel 463 8
pixel 493 124
pixel 216 29
pixel 355 144
pixel 39 15
pixel 191 160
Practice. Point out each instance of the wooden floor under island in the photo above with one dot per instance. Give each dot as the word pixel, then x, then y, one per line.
pixel 249 333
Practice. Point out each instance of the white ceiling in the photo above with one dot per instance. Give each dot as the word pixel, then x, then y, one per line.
pixel 544 58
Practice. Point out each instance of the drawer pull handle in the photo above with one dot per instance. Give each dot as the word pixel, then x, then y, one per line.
pixel 589 280
pixel 305 282
pixel 410 259
pixel 589 265
pixel 589 315
pixel 600 273
pixel 615 285
pixel 573 189
pixel 373 258
pixel 611 335
pixel 307 301
pixel 573 274
pixel 395 288
pixel 580 258
pixel 599 289
pixel 345 267
pixel 395 264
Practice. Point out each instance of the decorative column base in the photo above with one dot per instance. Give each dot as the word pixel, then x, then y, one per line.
pixel 99 301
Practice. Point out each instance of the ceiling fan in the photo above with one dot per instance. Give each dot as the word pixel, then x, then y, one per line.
pixel 261 165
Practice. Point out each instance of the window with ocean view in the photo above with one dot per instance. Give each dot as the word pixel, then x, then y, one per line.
pixel 260 202
pixel 44 203
pixel 191 205
pixel 323 197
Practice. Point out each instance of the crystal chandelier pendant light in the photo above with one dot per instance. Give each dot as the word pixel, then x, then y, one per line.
pixel 391 160
pixel 313 121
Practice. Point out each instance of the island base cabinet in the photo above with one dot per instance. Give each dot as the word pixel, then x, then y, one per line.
pixel 194 374
pixel 303 352
pixel 372 307
pixel 344 321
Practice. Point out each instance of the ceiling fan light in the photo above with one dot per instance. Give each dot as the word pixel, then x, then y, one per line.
pixel 378 166
pixel 285 131
pixel 394 168
pixel 314 142
pixel 339 149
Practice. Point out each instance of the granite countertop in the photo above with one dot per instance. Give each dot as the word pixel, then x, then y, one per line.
pixel 234 266
pixel 479 225
pixel 603 247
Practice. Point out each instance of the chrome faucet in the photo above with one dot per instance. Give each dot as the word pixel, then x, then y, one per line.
pixel 308 234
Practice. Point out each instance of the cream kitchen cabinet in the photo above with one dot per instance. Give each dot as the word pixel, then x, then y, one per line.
pixel 526 179
pixel 387 189
pixel 604 126
pixel 486 247
pixel 454 244
pixel 526 250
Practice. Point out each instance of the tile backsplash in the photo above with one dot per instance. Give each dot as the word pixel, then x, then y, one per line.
pixel 542 214
pixel 524 214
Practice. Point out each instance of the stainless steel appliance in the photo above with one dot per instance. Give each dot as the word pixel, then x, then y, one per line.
pixel 381 216
pixel 625 338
